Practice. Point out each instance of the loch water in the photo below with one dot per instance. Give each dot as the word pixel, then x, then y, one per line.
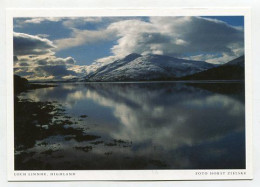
pixel 156 125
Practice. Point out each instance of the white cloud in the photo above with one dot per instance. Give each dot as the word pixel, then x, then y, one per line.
pixel 81 37
pixel 78 21
pixel 74 22
pixel 107 59
pixel 23 22
pixel 221 59
pixel 43 35
pixel 38 20
pixel 70 22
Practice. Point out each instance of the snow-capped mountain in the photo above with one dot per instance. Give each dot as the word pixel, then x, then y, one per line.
pixel 136 67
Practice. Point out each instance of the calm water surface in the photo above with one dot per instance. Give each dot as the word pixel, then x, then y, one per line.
pixel 141 126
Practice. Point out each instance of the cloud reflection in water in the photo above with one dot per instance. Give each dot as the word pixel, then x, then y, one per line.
pixel 180 125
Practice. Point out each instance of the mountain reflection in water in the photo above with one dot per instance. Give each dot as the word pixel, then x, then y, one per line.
pixel 142 126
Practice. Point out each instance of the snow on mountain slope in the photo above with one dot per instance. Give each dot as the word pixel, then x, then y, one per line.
pixel 147 67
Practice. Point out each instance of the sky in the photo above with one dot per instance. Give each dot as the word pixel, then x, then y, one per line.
pixel 47 48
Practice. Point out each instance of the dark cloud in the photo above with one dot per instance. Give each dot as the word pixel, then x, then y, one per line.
pixel 61 61
pixel 58 70
pixel 23 64
pixel 207 35
pixel 55 61
pixel 42 62
pixel 25 44
pixel 23 71
pixel 36 54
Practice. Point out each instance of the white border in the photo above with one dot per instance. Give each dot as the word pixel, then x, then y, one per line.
pixel 127 174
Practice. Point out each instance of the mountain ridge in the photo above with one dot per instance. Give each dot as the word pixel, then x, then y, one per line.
pixel 232 70
pixel 136 67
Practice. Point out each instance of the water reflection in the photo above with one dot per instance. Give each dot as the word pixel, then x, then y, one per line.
pixel 149 125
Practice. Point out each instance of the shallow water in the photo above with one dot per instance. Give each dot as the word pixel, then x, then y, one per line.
pixel 138 126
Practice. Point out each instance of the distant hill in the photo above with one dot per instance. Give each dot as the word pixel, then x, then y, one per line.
pixel 232 70
pixel 240 61
pixel 21 84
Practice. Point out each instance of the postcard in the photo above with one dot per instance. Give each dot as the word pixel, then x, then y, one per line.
pixel 129 94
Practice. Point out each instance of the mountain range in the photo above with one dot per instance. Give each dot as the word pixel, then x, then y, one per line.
pixel 232 70
pixel 136 67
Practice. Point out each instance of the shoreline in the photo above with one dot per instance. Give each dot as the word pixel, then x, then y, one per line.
pixel 140 82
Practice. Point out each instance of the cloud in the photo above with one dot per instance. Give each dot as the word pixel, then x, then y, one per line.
pixel 193 38
pixel 23 71
pixel 38 20
pixel 82 37
pixel 43 35
pixel 35 59
pixel 25 44
pixel 56 61
pixel 69 22
pixel 34 50
pixel 46 68
pixel 75 22
pixel 55 72
pixel 185 37
pixel 213 58
pixel 107 59
pixel 23 64
pixel 174 36
pixel 177 36
pixel 42 60
pixel 79 21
